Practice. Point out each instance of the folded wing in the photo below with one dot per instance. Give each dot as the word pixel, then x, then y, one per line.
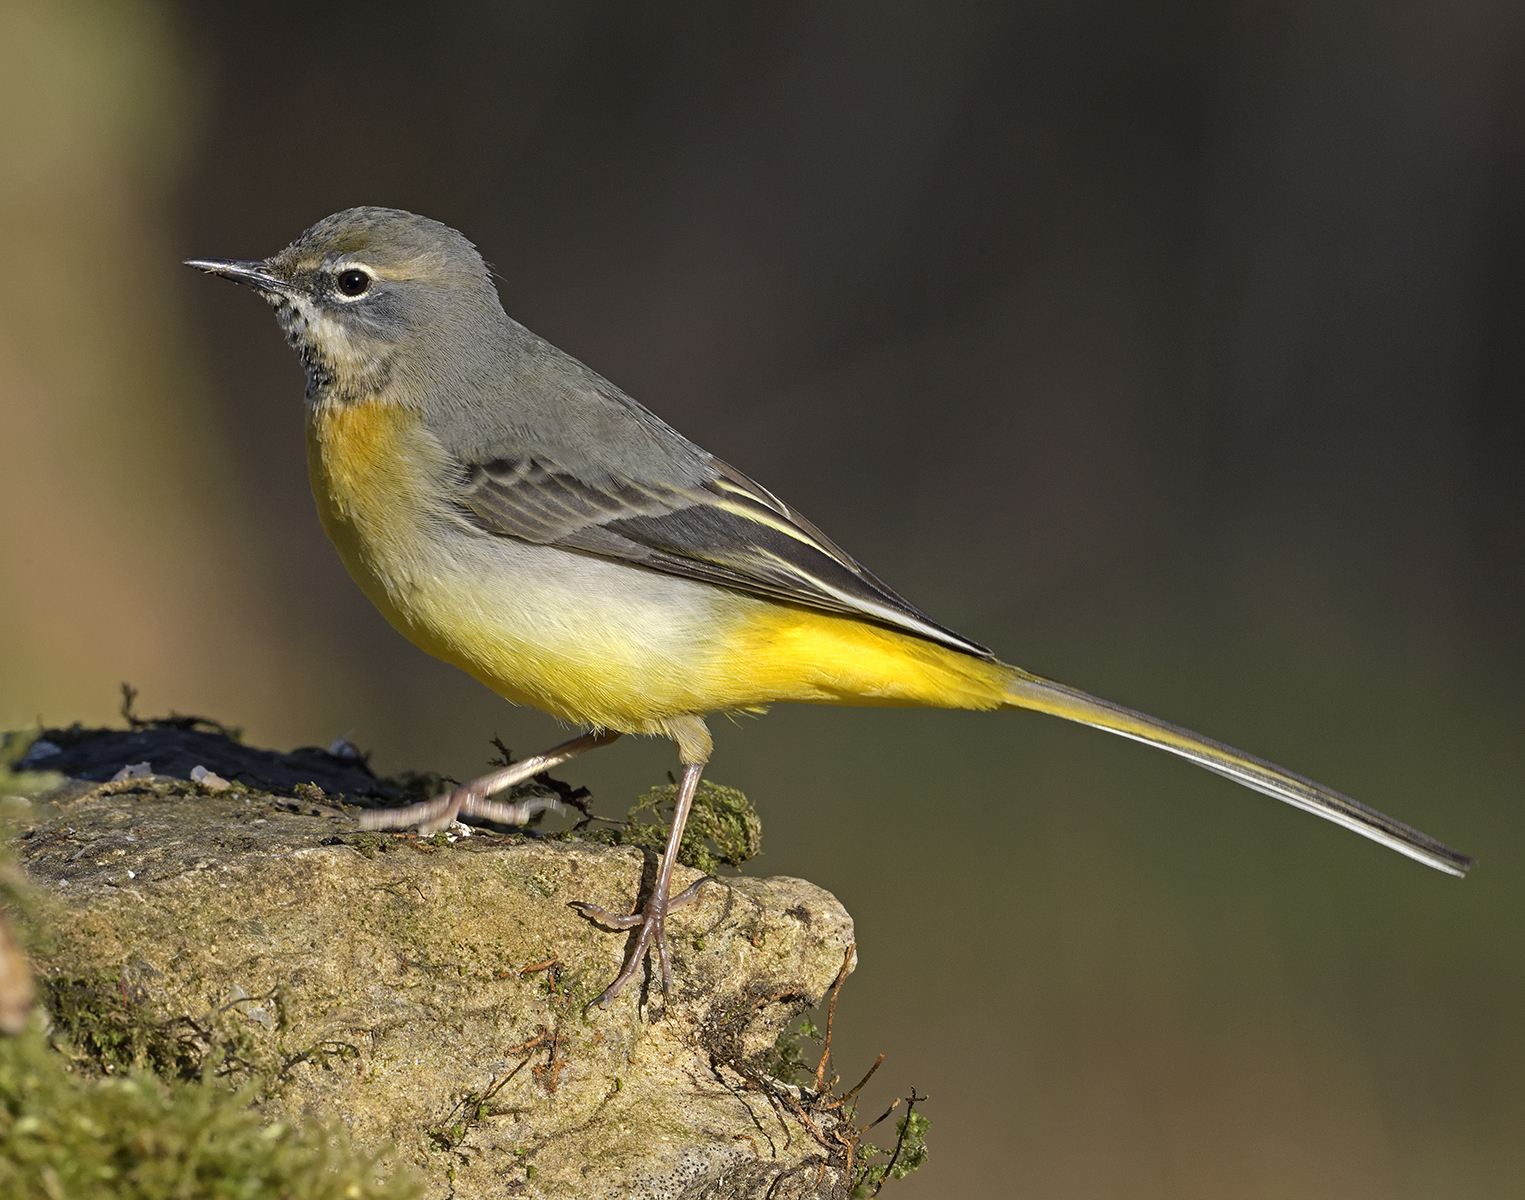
pixel 728 531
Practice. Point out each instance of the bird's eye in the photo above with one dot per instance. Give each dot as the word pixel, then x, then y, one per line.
pixel 353 282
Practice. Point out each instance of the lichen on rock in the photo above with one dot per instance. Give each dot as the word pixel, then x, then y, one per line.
pixel 432 993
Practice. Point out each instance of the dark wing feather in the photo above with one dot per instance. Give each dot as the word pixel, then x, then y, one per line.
pixel 728 532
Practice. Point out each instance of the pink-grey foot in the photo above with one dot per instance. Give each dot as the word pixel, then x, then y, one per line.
pixel 652 917
pixel 471 799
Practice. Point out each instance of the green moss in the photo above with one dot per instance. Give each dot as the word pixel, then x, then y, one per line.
pixel 722 826
pixel 106 1035
pixel 133 1137
pixel 907 1155
pixel 367 844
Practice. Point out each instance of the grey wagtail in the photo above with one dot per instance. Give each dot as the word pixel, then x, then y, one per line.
pixel 513 513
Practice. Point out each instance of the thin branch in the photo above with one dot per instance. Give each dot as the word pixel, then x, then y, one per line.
pixel 848 1096
pixel 831 1015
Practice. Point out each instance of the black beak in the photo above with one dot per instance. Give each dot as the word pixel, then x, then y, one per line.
pixel 253 274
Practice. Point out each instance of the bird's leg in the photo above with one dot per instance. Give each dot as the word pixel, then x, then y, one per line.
pixel 471 799
pixel 652 917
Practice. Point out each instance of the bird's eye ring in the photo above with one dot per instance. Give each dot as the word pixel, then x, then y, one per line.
pixel 352 281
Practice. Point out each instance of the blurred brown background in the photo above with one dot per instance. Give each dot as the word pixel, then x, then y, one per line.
pixel 1174 350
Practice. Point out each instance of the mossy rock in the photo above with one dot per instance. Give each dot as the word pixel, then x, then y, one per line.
pixel 135 1137
pixel 431 994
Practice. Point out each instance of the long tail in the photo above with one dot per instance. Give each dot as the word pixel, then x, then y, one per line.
pixel 1041 695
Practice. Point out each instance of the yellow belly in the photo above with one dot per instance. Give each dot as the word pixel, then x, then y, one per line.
pixel 587 640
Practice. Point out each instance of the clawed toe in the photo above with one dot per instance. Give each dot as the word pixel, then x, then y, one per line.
pixel 651 919
pixel 690 893
pixel 602 916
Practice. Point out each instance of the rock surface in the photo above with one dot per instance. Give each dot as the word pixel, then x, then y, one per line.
pixel 431 993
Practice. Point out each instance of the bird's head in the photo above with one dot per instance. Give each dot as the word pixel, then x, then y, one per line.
pixel 370 289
